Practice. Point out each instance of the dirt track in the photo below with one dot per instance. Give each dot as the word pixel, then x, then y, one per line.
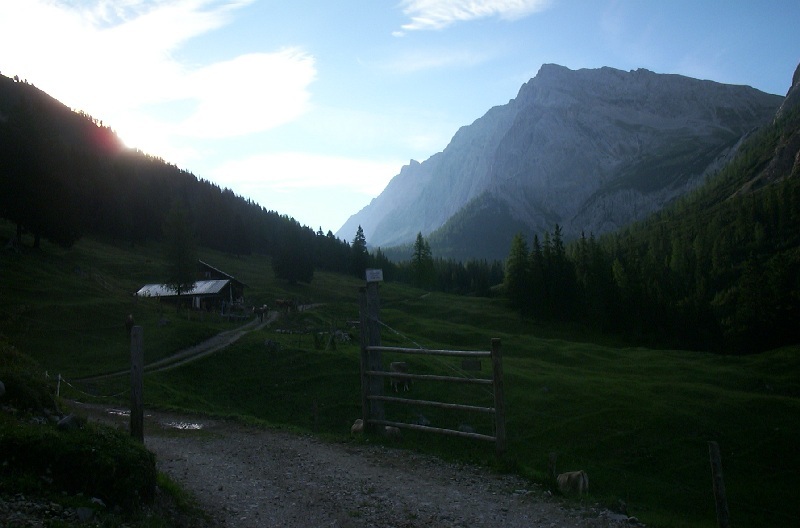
pixel 251 477
pixel 209 346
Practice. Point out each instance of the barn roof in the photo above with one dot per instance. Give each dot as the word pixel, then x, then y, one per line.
pixel 220 272
pixel 203 287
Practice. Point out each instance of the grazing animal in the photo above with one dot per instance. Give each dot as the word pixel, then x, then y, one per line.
pixel 573 482
pixel 401 367
pixel 261 311
pixel 358 427
pixel 286 305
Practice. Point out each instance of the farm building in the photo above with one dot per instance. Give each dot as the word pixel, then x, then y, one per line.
pixel 213 290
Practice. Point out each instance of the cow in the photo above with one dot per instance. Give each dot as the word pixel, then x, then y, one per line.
pixel 573 482
pixel 400 367
pixel 286 305
pixel 260 311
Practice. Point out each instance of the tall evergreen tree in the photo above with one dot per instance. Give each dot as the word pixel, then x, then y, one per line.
pixel 422 271
pixel 359 255
pixel 516 281
pixel 293 260
pixel 181 248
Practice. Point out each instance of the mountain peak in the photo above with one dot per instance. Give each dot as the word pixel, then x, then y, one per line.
pixel 792 96
pixel 589 149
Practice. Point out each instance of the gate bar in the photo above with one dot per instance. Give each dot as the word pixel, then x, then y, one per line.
pixel 429 377
pixel 443 405
pixel 428 351
pixel 451 432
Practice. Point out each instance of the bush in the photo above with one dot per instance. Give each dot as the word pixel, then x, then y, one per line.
pixel 25 384
pixel 97 461
pixel 37 457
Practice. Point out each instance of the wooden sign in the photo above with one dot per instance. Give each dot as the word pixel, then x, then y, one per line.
pixel 374 275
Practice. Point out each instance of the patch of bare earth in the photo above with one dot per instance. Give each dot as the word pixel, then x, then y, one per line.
pixel 252 477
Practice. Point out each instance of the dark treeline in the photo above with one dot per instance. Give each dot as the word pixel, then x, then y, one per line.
pixel 415 264
pixel 63 174
pixel 718 271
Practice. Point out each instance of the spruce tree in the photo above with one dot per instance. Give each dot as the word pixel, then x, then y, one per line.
pixel 516 281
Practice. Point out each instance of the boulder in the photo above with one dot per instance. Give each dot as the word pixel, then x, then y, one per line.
pixel 69 423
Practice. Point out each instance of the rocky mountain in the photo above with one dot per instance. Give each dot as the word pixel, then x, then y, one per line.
pixel 591 150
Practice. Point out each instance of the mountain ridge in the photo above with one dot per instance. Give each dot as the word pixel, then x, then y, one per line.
pixel 591 149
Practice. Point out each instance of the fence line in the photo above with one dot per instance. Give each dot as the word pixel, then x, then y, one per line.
pixel 428 377
pixel 427 351
pixel 429 429
pixel 60 379
pixel 441 405
pixel 372 374
pixel 461 372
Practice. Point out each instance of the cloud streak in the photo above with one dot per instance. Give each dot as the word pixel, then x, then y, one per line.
pixel 439 14
pixel 117 61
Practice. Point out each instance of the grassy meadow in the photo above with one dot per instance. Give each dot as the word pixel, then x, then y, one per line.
pixel 637 420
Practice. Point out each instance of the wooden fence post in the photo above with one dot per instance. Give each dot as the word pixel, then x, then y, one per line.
pixel 374 360
pixel 721 502
pixel 137 365
pixel 364 342
pixel 499 401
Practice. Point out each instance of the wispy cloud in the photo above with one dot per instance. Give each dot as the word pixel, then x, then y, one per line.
pixel 439 14
pixel 285 171
pixel 117 60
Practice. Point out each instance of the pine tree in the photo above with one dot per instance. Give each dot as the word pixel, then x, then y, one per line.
pixel 359 254
pixel 422 271
pixel 181 251
pixel 516 281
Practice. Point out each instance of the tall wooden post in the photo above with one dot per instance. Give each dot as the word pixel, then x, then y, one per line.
pixel 721 502
pixel 499 398
pixel 364 342
pixel 370 359
pixel 137 365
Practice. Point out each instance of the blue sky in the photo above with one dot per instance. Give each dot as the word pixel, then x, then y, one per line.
pixel 310 107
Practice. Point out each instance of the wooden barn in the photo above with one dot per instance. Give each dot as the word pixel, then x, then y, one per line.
pixel 214 290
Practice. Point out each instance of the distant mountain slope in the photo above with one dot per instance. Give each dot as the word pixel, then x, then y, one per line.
pixel 592 150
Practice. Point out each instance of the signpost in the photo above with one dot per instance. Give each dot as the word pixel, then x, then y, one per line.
pixel 374 275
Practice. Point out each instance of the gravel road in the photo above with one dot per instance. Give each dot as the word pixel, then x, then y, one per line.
pixel 252 477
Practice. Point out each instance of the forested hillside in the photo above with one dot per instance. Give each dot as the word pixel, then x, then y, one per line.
pixel 720 270
pixel 64 174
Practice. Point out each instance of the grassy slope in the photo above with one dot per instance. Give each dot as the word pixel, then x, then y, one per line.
pixel 637 420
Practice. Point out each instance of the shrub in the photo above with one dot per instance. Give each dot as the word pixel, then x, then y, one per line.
pixel 37 457
pixel 26 387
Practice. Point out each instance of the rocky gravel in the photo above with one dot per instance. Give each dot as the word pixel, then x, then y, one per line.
pixel 253 477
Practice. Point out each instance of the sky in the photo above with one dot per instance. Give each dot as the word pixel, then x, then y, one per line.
pixel 309 108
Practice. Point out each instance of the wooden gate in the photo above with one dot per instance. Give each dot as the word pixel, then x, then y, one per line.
pixel 373 374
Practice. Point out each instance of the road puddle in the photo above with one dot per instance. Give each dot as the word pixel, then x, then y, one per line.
pixel 183 426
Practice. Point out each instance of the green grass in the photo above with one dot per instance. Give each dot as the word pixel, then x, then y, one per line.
pixel 637 420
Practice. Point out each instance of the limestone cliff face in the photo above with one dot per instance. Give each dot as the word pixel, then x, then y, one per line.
pixel 592 150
